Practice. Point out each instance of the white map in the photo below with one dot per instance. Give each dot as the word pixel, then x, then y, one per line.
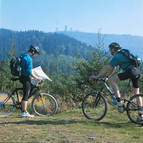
pixel 39 72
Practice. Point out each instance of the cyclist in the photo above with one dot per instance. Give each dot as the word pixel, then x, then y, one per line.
pixel 123 62
pixel 25 78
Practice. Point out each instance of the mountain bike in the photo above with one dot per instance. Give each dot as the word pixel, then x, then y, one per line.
pixel 94 105
pixel 43 104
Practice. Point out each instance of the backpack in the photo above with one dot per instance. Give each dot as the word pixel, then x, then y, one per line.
pixel 134 60
pixel 15 66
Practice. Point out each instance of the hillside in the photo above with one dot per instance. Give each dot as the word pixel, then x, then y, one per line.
pixel 51 44
pixel 64 43
pixel 133 43
pixel 64 47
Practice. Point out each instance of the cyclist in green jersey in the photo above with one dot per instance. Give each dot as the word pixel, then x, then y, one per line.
pixel 124 63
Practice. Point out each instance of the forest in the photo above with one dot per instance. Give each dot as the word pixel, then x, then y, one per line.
pixel 68 62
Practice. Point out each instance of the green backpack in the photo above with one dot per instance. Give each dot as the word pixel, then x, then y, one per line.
pixel 134 60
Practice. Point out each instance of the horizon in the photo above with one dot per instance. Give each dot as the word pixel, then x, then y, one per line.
pixel 70 31
pixel 112 16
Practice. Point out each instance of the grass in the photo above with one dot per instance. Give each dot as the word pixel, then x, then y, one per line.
pixel 70 127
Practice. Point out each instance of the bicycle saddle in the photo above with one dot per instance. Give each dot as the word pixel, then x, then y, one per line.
pixel 14 79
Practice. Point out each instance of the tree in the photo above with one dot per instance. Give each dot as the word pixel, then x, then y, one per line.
pixel 5 74
pixel 12 52
pixel 89 66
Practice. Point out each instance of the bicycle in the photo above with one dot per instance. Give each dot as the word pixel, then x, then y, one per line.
pixel 94 105
pixel 43 104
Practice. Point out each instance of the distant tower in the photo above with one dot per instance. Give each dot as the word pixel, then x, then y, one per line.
pixel 66 27
pixel 57 29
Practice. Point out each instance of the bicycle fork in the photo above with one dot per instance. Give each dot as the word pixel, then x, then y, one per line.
pixel 42 99
pixel 96 100
pixel 43 102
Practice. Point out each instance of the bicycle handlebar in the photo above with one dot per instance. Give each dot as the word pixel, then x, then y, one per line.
pixel 39 82
pixel 96 80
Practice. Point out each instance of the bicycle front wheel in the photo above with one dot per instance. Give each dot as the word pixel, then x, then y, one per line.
pixel 44 104
pixel 6 104
pixel 94 106
pixel 135 109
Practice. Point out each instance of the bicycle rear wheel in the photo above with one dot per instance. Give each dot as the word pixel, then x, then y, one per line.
pixel 44 104
pixel 94 106
pixel 134 107
pixel 6 104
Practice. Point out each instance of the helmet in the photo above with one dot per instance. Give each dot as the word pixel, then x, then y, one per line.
pixel 115 46
pixel 34 49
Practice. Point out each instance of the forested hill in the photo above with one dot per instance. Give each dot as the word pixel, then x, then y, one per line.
pixel 52 44
pixel 133 43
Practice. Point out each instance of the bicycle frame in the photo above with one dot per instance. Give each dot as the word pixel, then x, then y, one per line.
pixel 110 93
pixel 14 91
pixel 108 90
pixel 33 91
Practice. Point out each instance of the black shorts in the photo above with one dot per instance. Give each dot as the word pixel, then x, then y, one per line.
pixel 26 81
pixel 129 75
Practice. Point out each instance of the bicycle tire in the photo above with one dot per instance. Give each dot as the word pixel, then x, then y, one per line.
pixel 99 100
pixel 133 108
pixel 46 110
pixel 6 108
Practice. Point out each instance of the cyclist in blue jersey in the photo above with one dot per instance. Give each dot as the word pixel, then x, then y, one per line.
pixel 124 63
pixel 25 78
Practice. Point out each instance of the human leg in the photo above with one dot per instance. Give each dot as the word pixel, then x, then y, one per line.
pixel 139 101
pixel 26 91
pixel 113 81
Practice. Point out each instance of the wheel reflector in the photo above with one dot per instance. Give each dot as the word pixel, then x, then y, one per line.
pixel 7 110
pixel 38 100
pixel 48 111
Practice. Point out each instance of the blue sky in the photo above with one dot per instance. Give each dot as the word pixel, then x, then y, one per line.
pixel 113 16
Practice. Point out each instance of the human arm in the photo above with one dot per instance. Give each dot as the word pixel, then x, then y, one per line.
pixel 36 77
pixel 111 72
pixel 110 67
pixel 103 72
pixel 29 67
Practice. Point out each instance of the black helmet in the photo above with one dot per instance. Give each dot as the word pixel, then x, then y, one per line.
pixel 115 46
pixel 34 49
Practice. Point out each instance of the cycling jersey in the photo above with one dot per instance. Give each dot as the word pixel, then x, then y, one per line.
pixel 26 64
pixel 122 61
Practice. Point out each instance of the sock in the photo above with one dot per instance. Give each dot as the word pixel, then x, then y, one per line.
pixel 118 99
pixel 23 110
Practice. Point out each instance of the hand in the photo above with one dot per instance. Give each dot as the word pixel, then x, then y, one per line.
pixel 39 78
pixel 92 77
pixel 106 78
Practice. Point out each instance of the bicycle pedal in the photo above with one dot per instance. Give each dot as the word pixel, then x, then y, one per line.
pixel 18 103
pixel 121 109
pixel 18 107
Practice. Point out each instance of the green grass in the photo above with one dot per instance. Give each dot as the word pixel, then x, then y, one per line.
pixel 70 126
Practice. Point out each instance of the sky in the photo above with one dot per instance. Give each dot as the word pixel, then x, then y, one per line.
pixel 112 16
